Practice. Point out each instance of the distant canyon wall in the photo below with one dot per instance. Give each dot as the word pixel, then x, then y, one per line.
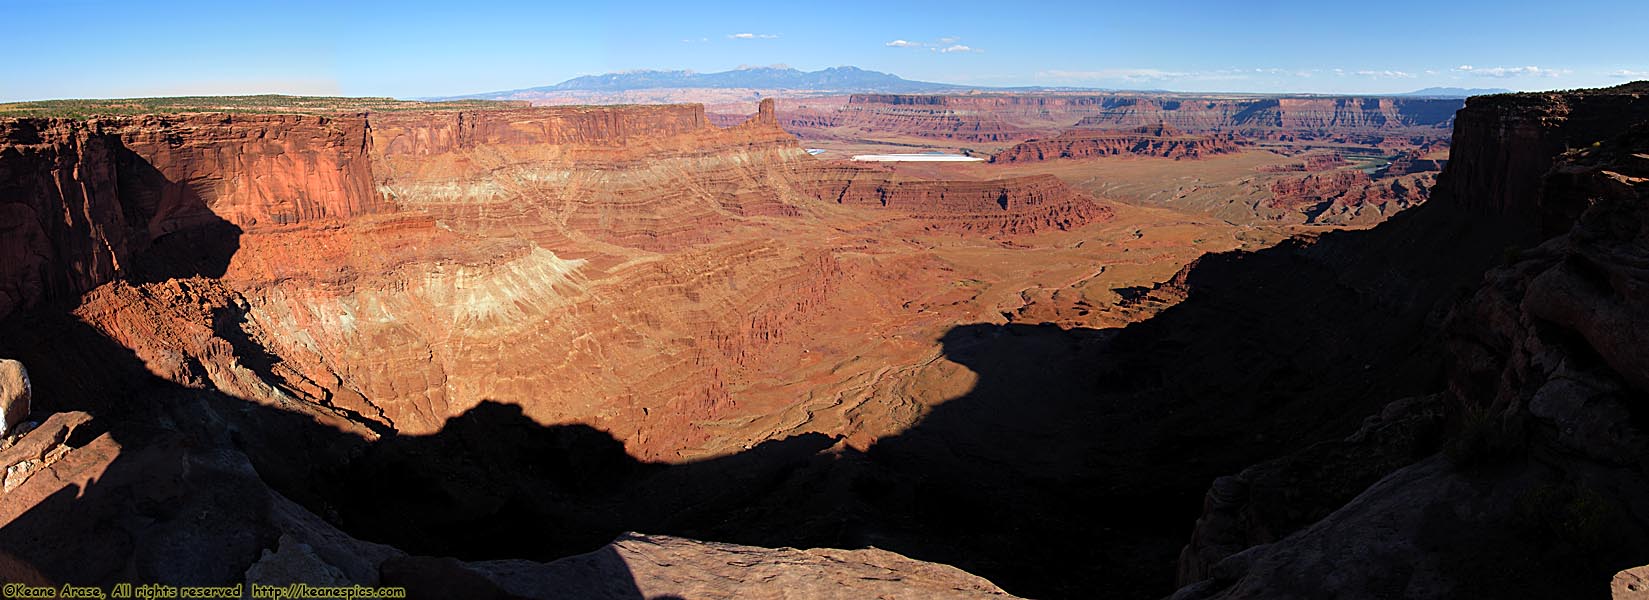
pixel 1160 141
pixel 1002 207
pixel 998 118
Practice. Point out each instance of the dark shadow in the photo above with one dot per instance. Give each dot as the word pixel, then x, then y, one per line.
pixel 184 237
pixel 601 574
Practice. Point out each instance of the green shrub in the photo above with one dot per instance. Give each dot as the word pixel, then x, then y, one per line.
pixel 1485 439
pixel 1568 515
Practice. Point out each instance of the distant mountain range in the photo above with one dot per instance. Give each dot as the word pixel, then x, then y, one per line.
pixel 620 87
pixel 1454 92
pixel 834 79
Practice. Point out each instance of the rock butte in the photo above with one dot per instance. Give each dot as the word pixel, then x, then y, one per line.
pixel 260 345
pixel 1160 141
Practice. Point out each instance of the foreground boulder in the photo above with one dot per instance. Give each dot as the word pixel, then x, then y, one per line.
pixel 14 395
pixel 1631 584
pixel 656 566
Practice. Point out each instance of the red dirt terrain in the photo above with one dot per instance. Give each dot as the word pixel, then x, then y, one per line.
pixel 1104 143
pixel 479 346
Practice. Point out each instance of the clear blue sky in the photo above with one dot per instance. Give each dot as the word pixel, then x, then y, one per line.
pixel 88 49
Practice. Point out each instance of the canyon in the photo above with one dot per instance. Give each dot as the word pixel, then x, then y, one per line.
pixel 1158 345
pixel 991 121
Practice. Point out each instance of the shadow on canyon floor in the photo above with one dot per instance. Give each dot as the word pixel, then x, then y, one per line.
pixel 1076 465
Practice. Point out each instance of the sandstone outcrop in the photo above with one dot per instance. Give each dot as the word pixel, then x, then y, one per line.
pixel 1630 584
pixel 1005 207
pixel 1410 162
pixel 1160 141
pixel 15 396
pixel 39 447
pixel 1343 196
pixel 1504 147
pixel 1312 163
pixel 653 566
pixel 84 198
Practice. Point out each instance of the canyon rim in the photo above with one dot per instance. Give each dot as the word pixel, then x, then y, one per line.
pixel 1187 331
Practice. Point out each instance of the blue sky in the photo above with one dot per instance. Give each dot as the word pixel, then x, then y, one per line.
pixel 89 49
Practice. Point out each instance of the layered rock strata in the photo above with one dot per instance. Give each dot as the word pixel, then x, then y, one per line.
pixel 1008 118
pixel 1160 141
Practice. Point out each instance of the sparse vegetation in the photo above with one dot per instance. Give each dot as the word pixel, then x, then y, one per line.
pixel 81 109
pixel 1568 515
pixel 1485 439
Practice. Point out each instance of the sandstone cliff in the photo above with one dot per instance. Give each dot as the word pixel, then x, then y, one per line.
pixel 1159 141
pixel 1001 118
pixel 1505 146
pixel 1520 461
pixel 1004 207
pixel 1367 120
pixel 83 198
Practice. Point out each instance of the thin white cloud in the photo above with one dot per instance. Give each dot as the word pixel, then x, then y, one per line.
pixel 1235 73
pixel 1506 72
pixel 944 45
pixel 1630 74
pixel 1154 75
pixel 1122 74
pixel 752 36
pixel 1386 74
